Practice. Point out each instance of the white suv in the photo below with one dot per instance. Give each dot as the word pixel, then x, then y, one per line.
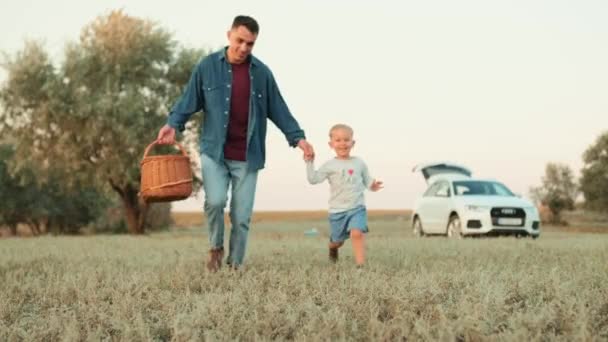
pixel 456 205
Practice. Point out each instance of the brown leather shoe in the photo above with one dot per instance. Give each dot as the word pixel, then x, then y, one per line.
pixel 333 254
pixel 215 259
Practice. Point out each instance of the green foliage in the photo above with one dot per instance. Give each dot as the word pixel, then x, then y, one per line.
pixel 112 221
pixel 44 207
pixel 94 114
pixel 594 175
pixel 69 210
pixel 158 217
pixel 12 195
pixel 558 190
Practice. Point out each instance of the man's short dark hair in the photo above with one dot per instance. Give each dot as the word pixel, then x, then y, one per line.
pixel 248 22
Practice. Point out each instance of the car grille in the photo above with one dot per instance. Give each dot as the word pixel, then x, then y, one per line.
pixel 500 215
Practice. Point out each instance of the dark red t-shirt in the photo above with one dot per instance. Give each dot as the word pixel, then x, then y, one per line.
pixel 236 138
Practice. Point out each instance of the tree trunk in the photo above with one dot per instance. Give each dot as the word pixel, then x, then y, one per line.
pixel 34 227
pixel 556 219
pixel 135 208
pixel 46 225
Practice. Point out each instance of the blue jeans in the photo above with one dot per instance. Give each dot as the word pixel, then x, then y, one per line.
pixel 217 178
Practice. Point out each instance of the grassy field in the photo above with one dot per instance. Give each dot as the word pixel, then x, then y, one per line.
pixel 155 287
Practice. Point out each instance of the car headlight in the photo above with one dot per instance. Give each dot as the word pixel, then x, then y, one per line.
pixel 477 208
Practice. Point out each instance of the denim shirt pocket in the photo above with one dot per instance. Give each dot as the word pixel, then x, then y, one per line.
pixel 258 99
pixel 213 96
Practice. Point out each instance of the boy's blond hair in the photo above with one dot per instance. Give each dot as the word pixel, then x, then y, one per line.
pixel 341 126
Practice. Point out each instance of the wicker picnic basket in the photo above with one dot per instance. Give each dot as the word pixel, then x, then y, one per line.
pixel 165 178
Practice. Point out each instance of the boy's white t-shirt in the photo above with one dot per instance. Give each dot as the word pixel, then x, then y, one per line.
pixel 348 179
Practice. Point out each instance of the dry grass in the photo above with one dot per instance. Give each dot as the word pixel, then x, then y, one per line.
pixel 155 288
pixel 193 219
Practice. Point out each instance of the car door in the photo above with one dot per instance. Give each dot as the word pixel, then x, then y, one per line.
pixel 433 207
pixel 439 208
pixel 423 206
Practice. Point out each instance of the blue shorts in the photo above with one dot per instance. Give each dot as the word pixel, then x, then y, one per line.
pixel 341 223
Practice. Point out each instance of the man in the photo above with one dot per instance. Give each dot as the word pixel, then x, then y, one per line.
pixel 237 93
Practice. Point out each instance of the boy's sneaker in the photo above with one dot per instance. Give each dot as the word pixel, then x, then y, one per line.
pixel 333 254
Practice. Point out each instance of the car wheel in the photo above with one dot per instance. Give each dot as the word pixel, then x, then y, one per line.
pixel 454 230
pixel 417 228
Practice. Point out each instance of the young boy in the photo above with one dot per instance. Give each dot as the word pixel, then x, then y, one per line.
pixel 348 178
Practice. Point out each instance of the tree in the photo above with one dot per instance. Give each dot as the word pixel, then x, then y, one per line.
pixel 558 190
pixel 94 115
pixel 10 215
pixel 158 217
pixel 48 207
pixel 594 175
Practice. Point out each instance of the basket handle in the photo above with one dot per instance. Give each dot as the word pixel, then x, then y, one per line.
pixel 155 142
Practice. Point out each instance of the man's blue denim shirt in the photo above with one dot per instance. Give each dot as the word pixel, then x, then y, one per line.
pixel 209 90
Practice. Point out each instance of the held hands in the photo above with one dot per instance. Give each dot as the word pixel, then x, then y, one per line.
pixel 309 152
pixel 166 135
pixel 376 185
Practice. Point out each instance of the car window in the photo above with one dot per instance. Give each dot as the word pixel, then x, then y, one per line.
pixel 431 190
pixel 461 189
pixel 443 190
pixel 487 188
pixel 502 190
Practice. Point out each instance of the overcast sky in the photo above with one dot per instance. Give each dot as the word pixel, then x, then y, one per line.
pixel 503 87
